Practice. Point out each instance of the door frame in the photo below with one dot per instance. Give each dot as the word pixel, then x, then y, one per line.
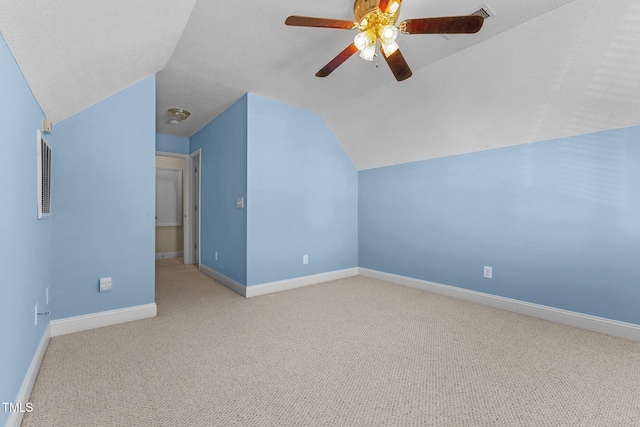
pixel 186 203
pixel 192 162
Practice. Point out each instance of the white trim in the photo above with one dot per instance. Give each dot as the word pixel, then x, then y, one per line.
pixel 104 318
pixel 298 282
pixel 15 418
pixel 164 255
pixel 227 281
pixel 601 325
pixel 281 285
pixel 190 257
pixel 168 154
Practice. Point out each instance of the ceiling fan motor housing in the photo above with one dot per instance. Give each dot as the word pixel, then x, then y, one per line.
pixel 364 7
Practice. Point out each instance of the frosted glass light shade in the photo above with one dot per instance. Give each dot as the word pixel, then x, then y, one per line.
pixel 361 41
pixel 369 52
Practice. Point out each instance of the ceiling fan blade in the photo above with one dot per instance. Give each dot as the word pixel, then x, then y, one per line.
pixel 444 25
pixel 337 61
pixel 309 21
pixel 383 5
pixel 398 65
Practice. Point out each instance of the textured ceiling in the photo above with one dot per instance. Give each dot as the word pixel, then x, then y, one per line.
pixel 573 71
pixel 538 70
pixel 74 53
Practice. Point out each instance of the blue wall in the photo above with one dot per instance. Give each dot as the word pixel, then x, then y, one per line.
pixel 26 242
pixel 172 144
pixel 557 221
pixel 103 204
pixel 223 227
pixel 102 211
pixel 302 195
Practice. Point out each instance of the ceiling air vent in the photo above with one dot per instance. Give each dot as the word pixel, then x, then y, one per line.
pixel 484 11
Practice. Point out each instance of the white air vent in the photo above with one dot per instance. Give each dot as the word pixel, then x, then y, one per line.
pixel 484 11
pixel 44 178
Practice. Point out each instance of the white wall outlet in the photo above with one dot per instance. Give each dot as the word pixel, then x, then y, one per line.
pixel 488 272
pixel 35 314
pixel 216 254
pixel 105 284
pixel 305 259
pixel 47 295
pixel 240 203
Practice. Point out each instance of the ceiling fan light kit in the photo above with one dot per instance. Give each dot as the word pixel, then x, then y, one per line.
pixel 376 22
pixel 376 25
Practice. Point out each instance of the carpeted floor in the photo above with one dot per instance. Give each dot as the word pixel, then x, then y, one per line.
pixel 354 352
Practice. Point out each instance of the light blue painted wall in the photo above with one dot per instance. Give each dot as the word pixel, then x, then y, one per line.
pixel 302 195
pixel 104 204
pixel 557 220
pixel 172 144
pixel 26 242
pixel 223 227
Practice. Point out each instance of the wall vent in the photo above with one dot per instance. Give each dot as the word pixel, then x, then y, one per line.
pixel 484 11
pixel 44 178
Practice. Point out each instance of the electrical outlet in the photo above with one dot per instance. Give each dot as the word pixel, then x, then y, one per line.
pixel 216 255
pixel 105 284
pixel 305 259
pixel 488 272
pixel 47 295
pixel 35 314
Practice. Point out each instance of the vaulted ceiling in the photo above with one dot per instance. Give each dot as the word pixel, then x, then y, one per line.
pixel 537 70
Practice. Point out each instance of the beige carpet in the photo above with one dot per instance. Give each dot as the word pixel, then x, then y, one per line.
pixel 355 352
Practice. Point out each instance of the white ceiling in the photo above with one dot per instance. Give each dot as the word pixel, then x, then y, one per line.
pixel 75 53
pixel 538 70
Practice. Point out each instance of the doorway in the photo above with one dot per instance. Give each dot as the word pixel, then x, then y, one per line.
pixel 169 207
pixel 189 250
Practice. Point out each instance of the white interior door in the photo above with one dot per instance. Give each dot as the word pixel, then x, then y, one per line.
pixel 195 201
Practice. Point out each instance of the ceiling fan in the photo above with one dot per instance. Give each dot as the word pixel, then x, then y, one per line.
pixel 376 21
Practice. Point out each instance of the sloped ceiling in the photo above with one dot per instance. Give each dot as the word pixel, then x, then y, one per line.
pixel 573 71
pixel 538 70
pixel 74 53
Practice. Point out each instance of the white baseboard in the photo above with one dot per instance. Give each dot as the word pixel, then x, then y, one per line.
pixel 602 325
pixel 298 282
pixel 165 255
pixel 15 418
pixel 104 318
pixel 282 285
pixel 227 281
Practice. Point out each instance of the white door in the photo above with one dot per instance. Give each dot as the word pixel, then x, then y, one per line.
pixel 195 200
